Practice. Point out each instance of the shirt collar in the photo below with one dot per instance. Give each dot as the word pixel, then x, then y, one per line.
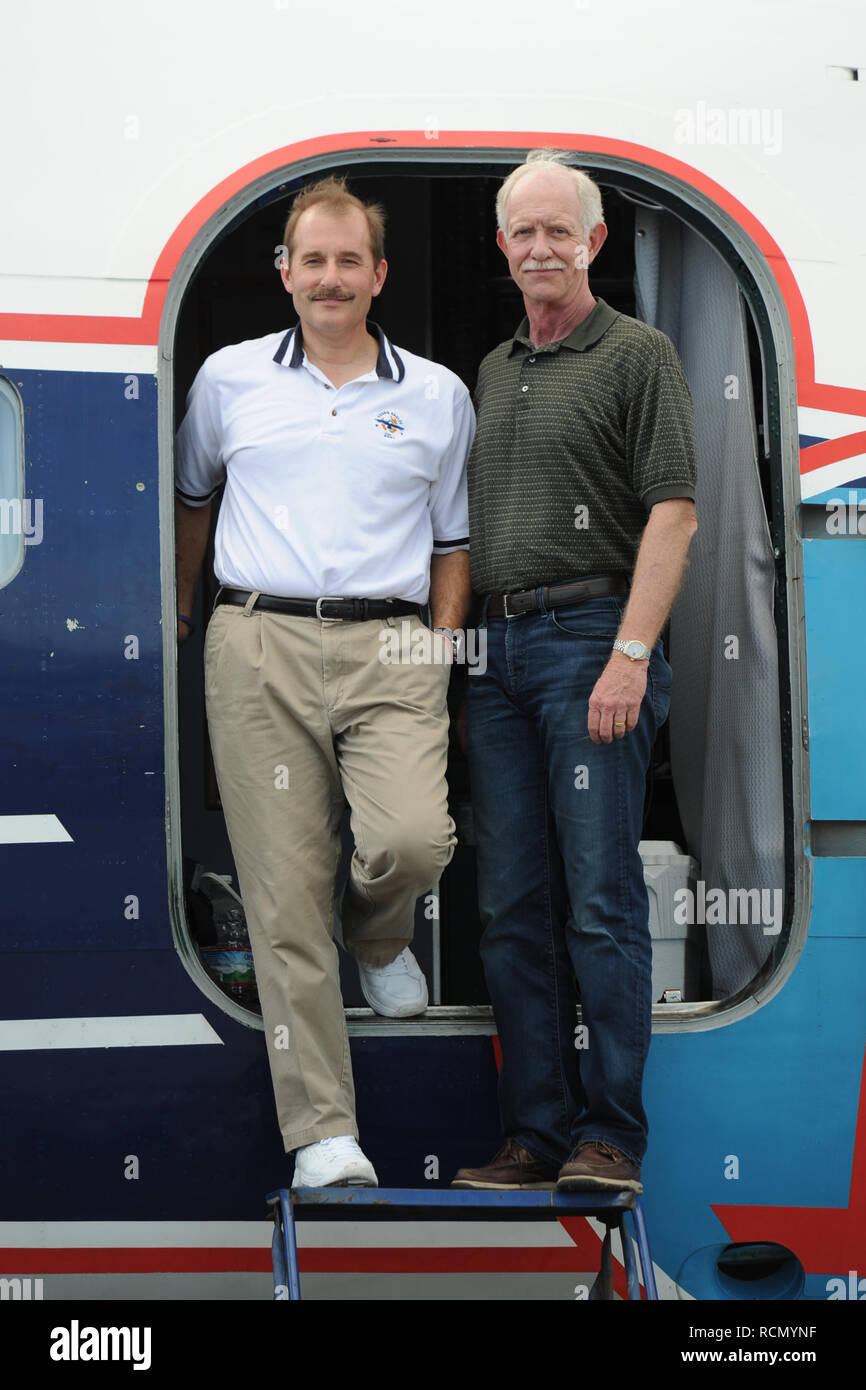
pixel 389 363
pixel 583 336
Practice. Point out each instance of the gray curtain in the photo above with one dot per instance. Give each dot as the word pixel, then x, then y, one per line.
pixel 725 720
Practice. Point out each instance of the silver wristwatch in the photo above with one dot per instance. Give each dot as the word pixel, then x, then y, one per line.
pixel 634 650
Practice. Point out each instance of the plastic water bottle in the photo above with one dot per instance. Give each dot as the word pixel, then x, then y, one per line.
pixel 223 938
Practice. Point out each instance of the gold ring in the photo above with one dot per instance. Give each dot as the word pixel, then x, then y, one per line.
pixel 619 723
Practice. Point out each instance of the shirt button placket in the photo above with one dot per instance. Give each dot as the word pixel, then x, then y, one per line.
pixel 523 403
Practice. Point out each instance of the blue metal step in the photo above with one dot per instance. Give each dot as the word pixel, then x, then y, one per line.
pixel 386 1202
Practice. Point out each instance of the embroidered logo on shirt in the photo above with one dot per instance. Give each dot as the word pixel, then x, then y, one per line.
pixel 390 424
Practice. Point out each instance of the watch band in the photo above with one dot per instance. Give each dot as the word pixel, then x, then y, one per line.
pixel 633 648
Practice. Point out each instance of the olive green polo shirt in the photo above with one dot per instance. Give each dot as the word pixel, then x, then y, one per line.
pixel 576 441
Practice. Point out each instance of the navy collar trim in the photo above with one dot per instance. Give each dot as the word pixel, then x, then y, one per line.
pixel 389 363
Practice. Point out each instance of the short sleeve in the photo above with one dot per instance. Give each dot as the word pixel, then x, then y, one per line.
pixel 660 432
pixel 199 467
pixel 449 507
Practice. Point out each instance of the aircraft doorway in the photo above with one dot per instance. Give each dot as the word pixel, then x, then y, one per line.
pixel 448 297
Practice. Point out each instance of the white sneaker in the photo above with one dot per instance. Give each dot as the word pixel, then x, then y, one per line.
pixel 397 990
pixel 336 1162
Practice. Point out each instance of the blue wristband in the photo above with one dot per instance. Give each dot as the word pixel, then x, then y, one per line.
pixel 184 619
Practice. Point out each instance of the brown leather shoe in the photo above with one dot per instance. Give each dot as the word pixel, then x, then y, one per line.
pixel 513 1166
pixel 597 1167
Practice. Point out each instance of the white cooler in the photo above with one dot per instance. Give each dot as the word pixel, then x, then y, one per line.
pixel 677 948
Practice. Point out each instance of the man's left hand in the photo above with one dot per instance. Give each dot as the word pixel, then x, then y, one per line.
pixel 614 705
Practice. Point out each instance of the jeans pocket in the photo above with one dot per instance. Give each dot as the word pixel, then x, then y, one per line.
pixel 660 680
pixel 597 618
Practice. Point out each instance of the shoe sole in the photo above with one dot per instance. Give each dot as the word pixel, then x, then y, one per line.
pixel 599 1185
pixel 411 1011
pixel 507 1186
pixel 341 1182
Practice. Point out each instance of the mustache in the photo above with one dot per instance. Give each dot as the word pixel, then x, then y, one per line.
pixel 553 263
pixel 326 294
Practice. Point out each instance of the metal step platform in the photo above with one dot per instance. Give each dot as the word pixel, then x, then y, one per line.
pixel 383 1203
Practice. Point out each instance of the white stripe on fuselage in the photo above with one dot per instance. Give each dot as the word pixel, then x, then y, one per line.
pixel 832 475
pixel 32 830
pixel 828 424
pixel 256 1235
pixel 23 355
pixel 125 1030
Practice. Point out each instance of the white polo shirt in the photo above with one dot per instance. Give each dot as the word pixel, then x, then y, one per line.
pixel 328 492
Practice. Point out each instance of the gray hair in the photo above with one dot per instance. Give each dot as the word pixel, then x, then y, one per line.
pixel 544 161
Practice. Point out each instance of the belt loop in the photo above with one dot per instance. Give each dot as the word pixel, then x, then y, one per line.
pixel 217 598
pixel 251 602
pixel 539 598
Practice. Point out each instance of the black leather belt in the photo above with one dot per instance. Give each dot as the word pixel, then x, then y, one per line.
pixel 357 610
pixel 556 595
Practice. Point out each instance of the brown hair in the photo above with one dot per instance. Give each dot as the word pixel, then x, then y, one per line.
pixel 333 194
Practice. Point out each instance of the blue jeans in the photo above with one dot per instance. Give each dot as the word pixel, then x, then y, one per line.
pixel 561 888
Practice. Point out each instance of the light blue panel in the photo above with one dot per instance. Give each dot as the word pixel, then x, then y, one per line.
pixel 839 898
pixel 778 1091
pixel 835 598
pixel 838 494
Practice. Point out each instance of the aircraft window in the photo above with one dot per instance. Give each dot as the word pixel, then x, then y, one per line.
pixel 16 515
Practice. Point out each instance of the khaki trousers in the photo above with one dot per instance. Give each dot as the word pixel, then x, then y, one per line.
pixel 303 714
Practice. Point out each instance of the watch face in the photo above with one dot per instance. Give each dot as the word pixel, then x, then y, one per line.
pixel 634 649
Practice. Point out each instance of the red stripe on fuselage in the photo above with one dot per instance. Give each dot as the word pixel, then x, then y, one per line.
pixel 101 329
pixel 831 451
